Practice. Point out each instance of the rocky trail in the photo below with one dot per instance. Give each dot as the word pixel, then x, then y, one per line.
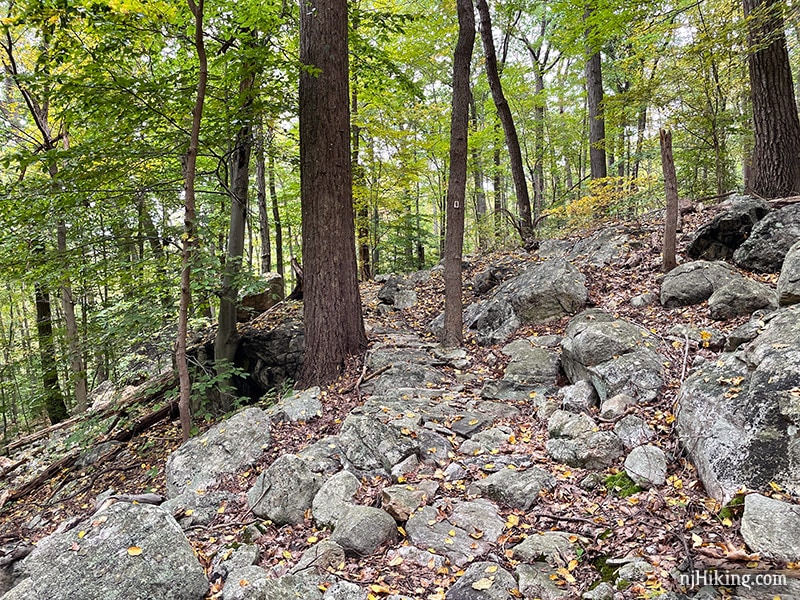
pixel 604 433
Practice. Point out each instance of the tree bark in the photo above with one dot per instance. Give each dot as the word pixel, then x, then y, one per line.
pixel 334 327
pixel 776 150
pixel 53 399
pixel 276 215
pixel 507 120
pixel 453 333
pixel 189 218
pixel 594 101
pixel 73 337
pixel 227 338
pixel 263 212
pixel 671 190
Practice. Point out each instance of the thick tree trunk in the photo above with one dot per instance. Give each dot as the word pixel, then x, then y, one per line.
pixel 594 102
pixel 334 327
pixel 453 333
pixel 776 151
pixel 671 190
pixel 189 225
pixel 507 120
pixel 53 399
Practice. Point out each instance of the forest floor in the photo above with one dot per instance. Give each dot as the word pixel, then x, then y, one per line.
pixel 676 525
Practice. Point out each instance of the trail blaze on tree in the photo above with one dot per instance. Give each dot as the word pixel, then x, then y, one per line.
pixel 334 327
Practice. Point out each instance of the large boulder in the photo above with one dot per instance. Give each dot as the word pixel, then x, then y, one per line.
pixel 361 530
pixel 739 416
pixel 717 239
pixel 532 368
pixel 285 491
pixel 516 488
pixel 122 552
pixel 272 355
pixel 741 297
pixel 771 527
pixel 484 581
pixel 694 282
pixel 789 281
pixel 270 292
pixel 226 447
pixel 770 241
pixel 544 291
pixel 615 355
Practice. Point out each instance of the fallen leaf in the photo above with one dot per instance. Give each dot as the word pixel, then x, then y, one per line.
pixel 484 583
pixel 134 551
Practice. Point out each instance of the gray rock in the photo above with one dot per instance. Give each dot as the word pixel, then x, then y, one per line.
pixel 405 299
pixel 371 445
pixel 578 397
pixel 616 406
pixel 285 491
pixel 297 406
pixel 529 364
pixel 633 431
pixel 345 590
pixel 706 337
pixel 603 591
pixel 719 238
pixel 478 517
pixel 499 583
pixel 770 241
pixel 230 558
pixel 412 555
pixel 599 450
pixel 191 509
pixel 552 546
pixel 608 246
pixel 694 282
pixel 426 529
pixel 487 440
pixel 644 300
pixel 324 455
pixel 789 281
pixel 544 291
pixel 400 501
pixel 333 498
pixel 517 489
pixel 771 527
pixel 745 333
pixel 536 581
pixel 106 561
pixel 564 424
pixel 390 289
pixel 322 557
pixel 741 297
pixel 647 466
pixel 634 571
pixel 226 447
pixel 274 353
pixel 615 355
pixel 246 583
pixel 364 529
pixel 738 417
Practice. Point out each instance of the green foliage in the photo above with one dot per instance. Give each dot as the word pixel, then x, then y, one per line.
pixel 621 485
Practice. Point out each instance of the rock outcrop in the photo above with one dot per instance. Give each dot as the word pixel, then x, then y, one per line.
pixel 770 241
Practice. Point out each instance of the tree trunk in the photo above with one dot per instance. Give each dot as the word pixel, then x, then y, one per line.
pixel 276 215
pixel 227 339
pixel 671 190
pixel 73 337
pixel 189 217
pixel 453 333
pixel 334 327
pixel 776 151
pixel 263 213
pixel 594 101
pixel 477 175
pixel 507 120
pixel 53 399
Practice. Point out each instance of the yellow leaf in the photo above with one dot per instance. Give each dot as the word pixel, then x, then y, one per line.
pixel 448 540
pixel 189 512
pixel 484 583
pixel 697 541
pixel 380 589
pixel 397 560
pixel 473 421
pixel 775 486
pixel 727 522
pixel 452 533
pixel 134 551
pixel 81 534
pixel 512 521
pixel 312 539
pixel 491 568
pixel 243 583
pixel 287 555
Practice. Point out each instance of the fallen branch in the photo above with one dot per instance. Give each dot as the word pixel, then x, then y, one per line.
pixel 363 379
pixel 52 470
